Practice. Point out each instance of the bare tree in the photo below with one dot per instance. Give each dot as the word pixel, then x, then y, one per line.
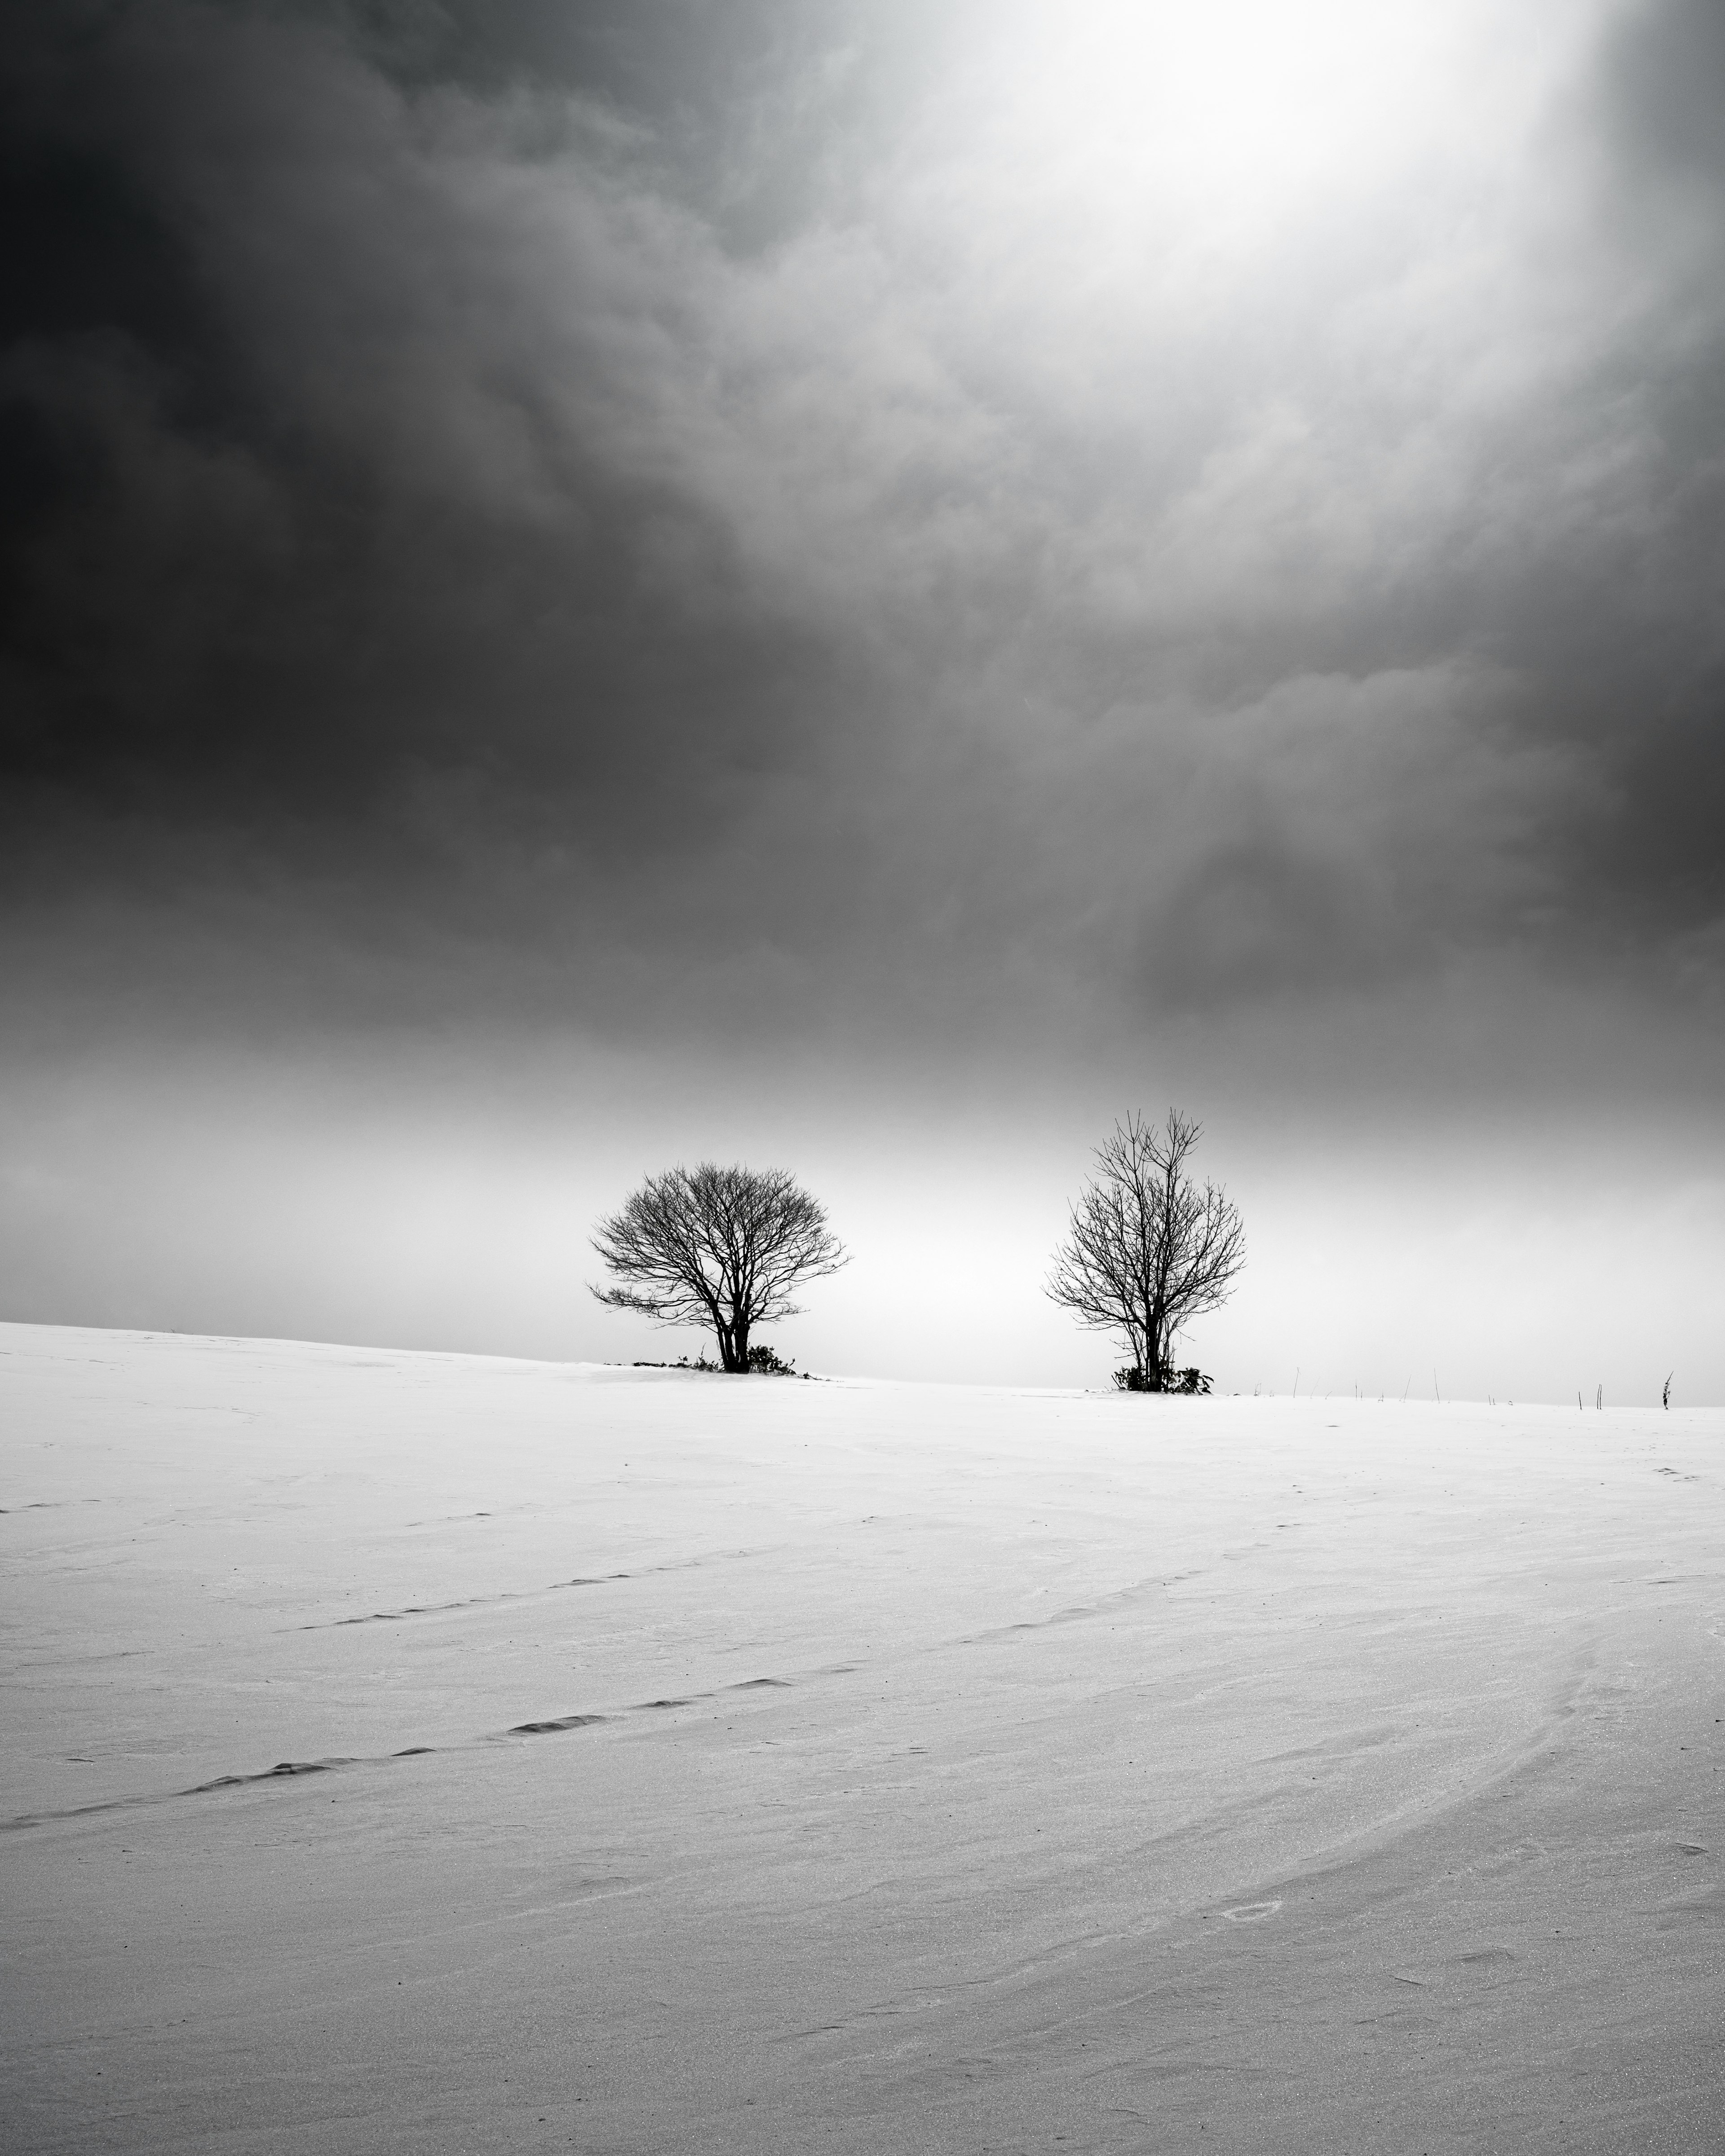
pixel 722 1247
pixel 1148 1250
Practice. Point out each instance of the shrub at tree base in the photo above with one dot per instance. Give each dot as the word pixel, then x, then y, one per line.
pixel 763 1362
pixel 1132 1379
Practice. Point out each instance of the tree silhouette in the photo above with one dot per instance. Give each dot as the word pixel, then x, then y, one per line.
pixel 722 1247
pixel 1147 1249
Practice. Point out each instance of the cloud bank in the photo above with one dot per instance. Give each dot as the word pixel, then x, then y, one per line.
pixel 817 501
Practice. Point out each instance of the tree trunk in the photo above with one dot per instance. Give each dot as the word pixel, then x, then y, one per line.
pixel 1155 1353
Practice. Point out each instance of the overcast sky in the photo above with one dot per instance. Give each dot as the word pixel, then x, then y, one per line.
pixel 870 584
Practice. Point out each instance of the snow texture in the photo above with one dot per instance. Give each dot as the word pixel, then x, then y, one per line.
pixel 428 1753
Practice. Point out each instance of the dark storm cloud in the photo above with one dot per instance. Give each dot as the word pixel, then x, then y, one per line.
pixel 601 483
pixel 325 490
pixel 1660 707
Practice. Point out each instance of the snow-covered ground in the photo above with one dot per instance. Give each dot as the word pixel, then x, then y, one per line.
pixel 683 1764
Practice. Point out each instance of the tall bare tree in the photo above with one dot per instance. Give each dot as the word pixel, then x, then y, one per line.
pixel 1147 1249
pixel 722 1247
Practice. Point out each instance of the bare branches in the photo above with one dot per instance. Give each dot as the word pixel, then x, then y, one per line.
pixel 1147 1249
pixel 722 1247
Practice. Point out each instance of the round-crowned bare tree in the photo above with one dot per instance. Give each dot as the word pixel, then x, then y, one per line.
pixel 719 1247
pixel 1148 1249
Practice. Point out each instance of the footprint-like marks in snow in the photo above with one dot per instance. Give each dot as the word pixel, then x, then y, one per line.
pixel 1075 1613
pixel 550 1725
pixel 292 1769
pixel 284 1770
pixel 438 1609
pixel 516 1594
pixel 276 1773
